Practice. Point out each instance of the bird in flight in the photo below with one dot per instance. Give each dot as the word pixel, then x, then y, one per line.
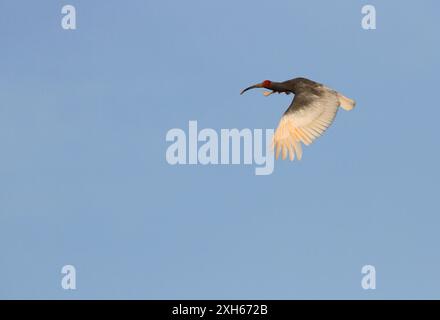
pixel 311 112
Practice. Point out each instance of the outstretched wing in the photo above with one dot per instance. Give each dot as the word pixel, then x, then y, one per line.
pixel 307 118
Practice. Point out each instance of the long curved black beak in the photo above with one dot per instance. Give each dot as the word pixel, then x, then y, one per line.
pixel 258 85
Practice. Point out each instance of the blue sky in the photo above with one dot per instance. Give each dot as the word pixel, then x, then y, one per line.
pixel 83 175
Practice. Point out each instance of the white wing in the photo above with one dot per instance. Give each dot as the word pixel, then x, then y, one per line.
pixel 306 119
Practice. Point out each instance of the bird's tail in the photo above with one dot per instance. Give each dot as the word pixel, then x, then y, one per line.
pixel 346 103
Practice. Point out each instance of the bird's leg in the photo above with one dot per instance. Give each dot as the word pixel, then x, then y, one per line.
pixel 268 93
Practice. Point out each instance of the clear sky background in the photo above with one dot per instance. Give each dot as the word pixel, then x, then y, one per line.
pixel 83 175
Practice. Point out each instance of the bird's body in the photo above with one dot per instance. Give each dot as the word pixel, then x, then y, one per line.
pixel 311 112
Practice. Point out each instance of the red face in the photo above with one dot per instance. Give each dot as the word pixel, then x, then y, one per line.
pixel 267 84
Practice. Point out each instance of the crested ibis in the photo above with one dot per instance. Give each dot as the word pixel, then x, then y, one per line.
pixel 311 112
